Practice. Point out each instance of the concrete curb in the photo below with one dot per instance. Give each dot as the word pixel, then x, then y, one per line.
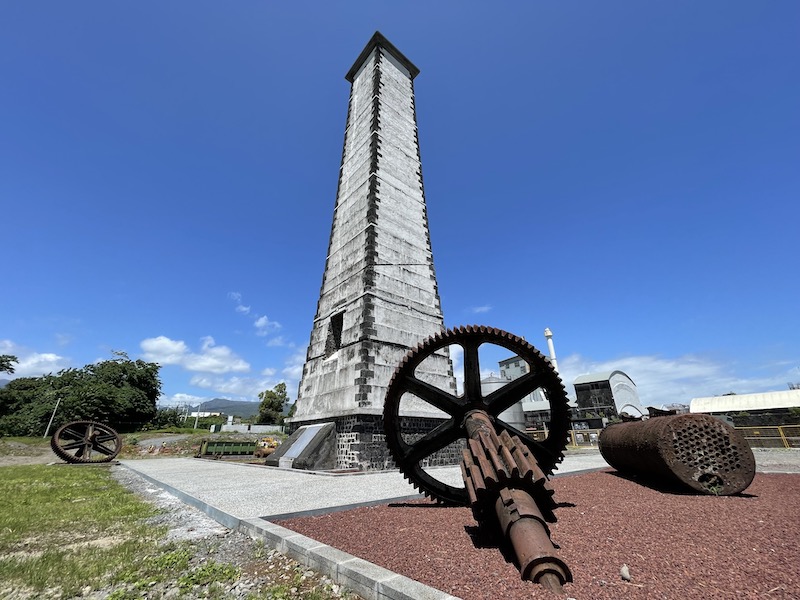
pixel 315 512
pixel 218 515
pixel 360 576
pixel 364 578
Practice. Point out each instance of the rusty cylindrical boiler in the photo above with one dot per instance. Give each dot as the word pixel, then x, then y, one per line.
pixel 698 451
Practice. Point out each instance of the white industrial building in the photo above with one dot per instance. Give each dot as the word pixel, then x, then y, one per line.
pixel 751 403
pixel 605 395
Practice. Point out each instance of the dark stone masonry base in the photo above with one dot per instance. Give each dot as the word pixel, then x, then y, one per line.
pixel 361 442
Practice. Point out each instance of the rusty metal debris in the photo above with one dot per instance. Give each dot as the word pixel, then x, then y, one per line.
pixel 697 451
pixel 504 470
pixel 83 442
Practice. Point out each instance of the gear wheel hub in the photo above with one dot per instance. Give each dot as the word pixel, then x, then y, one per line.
pixel 86 442
pixel 411 456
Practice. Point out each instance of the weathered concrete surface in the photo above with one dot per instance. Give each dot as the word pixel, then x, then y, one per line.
pixel 379 296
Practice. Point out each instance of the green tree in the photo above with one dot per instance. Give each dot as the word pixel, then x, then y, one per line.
pixel 272 402
pixel 6 361
pixel 120 392
pixel 167 417
pixel 23 405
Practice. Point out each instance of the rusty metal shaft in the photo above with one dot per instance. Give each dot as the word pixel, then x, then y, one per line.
pixel 523 524
pixel 696 451
pixel 502 477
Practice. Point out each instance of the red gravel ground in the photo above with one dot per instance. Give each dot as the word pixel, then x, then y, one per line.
pixel 676 546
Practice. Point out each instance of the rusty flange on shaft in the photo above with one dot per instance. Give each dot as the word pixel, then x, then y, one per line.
pixel 696 451
pixel 501 475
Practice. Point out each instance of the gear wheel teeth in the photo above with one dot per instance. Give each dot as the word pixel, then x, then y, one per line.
pixel 107 448
pixel 548 453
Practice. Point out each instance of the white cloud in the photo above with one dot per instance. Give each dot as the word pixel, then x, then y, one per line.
pixel 182 400
pixel 293 370
pixel 32 364
pixel 63 339
pixel 662 380
pixel 477 310
pixel 36 364
pixel 240 308
pixel 245 388
pixel 277 342
pixel 164 351
pixel 211 358
pixel 264 326
pixel 262 323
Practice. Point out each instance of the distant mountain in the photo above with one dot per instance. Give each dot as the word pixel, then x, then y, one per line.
pixel 237 408
pixel 3 382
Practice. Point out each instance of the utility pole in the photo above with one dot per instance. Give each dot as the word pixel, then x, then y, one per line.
pixel 53 416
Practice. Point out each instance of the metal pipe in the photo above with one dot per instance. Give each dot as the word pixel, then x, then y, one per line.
pixel 551 348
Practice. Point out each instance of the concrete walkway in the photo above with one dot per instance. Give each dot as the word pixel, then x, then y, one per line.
pixel 245 491
pixel 248 497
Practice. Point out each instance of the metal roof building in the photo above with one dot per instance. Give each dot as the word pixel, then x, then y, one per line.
pixel 607 392
pixel 746 402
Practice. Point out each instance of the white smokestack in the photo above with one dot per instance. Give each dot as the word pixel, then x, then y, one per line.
pixel 550 348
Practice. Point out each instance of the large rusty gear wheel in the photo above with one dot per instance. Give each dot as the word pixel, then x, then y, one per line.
pixel 409 457
pixel 86 442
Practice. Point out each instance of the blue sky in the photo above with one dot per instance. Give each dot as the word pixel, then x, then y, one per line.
pixel 625 173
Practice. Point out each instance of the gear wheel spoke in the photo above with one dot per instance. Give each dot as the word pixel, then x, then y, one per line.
pixel 511 393
pixel 432 442
pixel 434 396
pixel 413 457
pixel 472 371
pixel 86 442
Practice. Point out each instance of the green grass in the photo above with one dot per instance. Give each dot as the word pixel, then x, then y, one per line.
pixel 23 446
pixel 64 528
pixel 28 441
pixel 64 502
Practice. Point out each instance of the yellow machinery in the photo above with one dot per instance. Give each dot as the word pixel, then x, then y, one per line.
pixel 265 446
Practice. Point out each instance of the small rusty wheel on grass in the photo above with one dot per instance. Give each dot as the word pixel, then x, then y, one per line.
pixel 86 442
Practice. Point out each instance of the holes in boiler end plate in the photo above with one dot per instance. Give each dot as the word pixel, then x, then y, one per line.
pixel 712 482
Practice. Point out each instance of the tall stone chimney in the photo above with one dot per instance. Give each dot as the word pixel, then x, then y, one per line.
pixel 379 296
